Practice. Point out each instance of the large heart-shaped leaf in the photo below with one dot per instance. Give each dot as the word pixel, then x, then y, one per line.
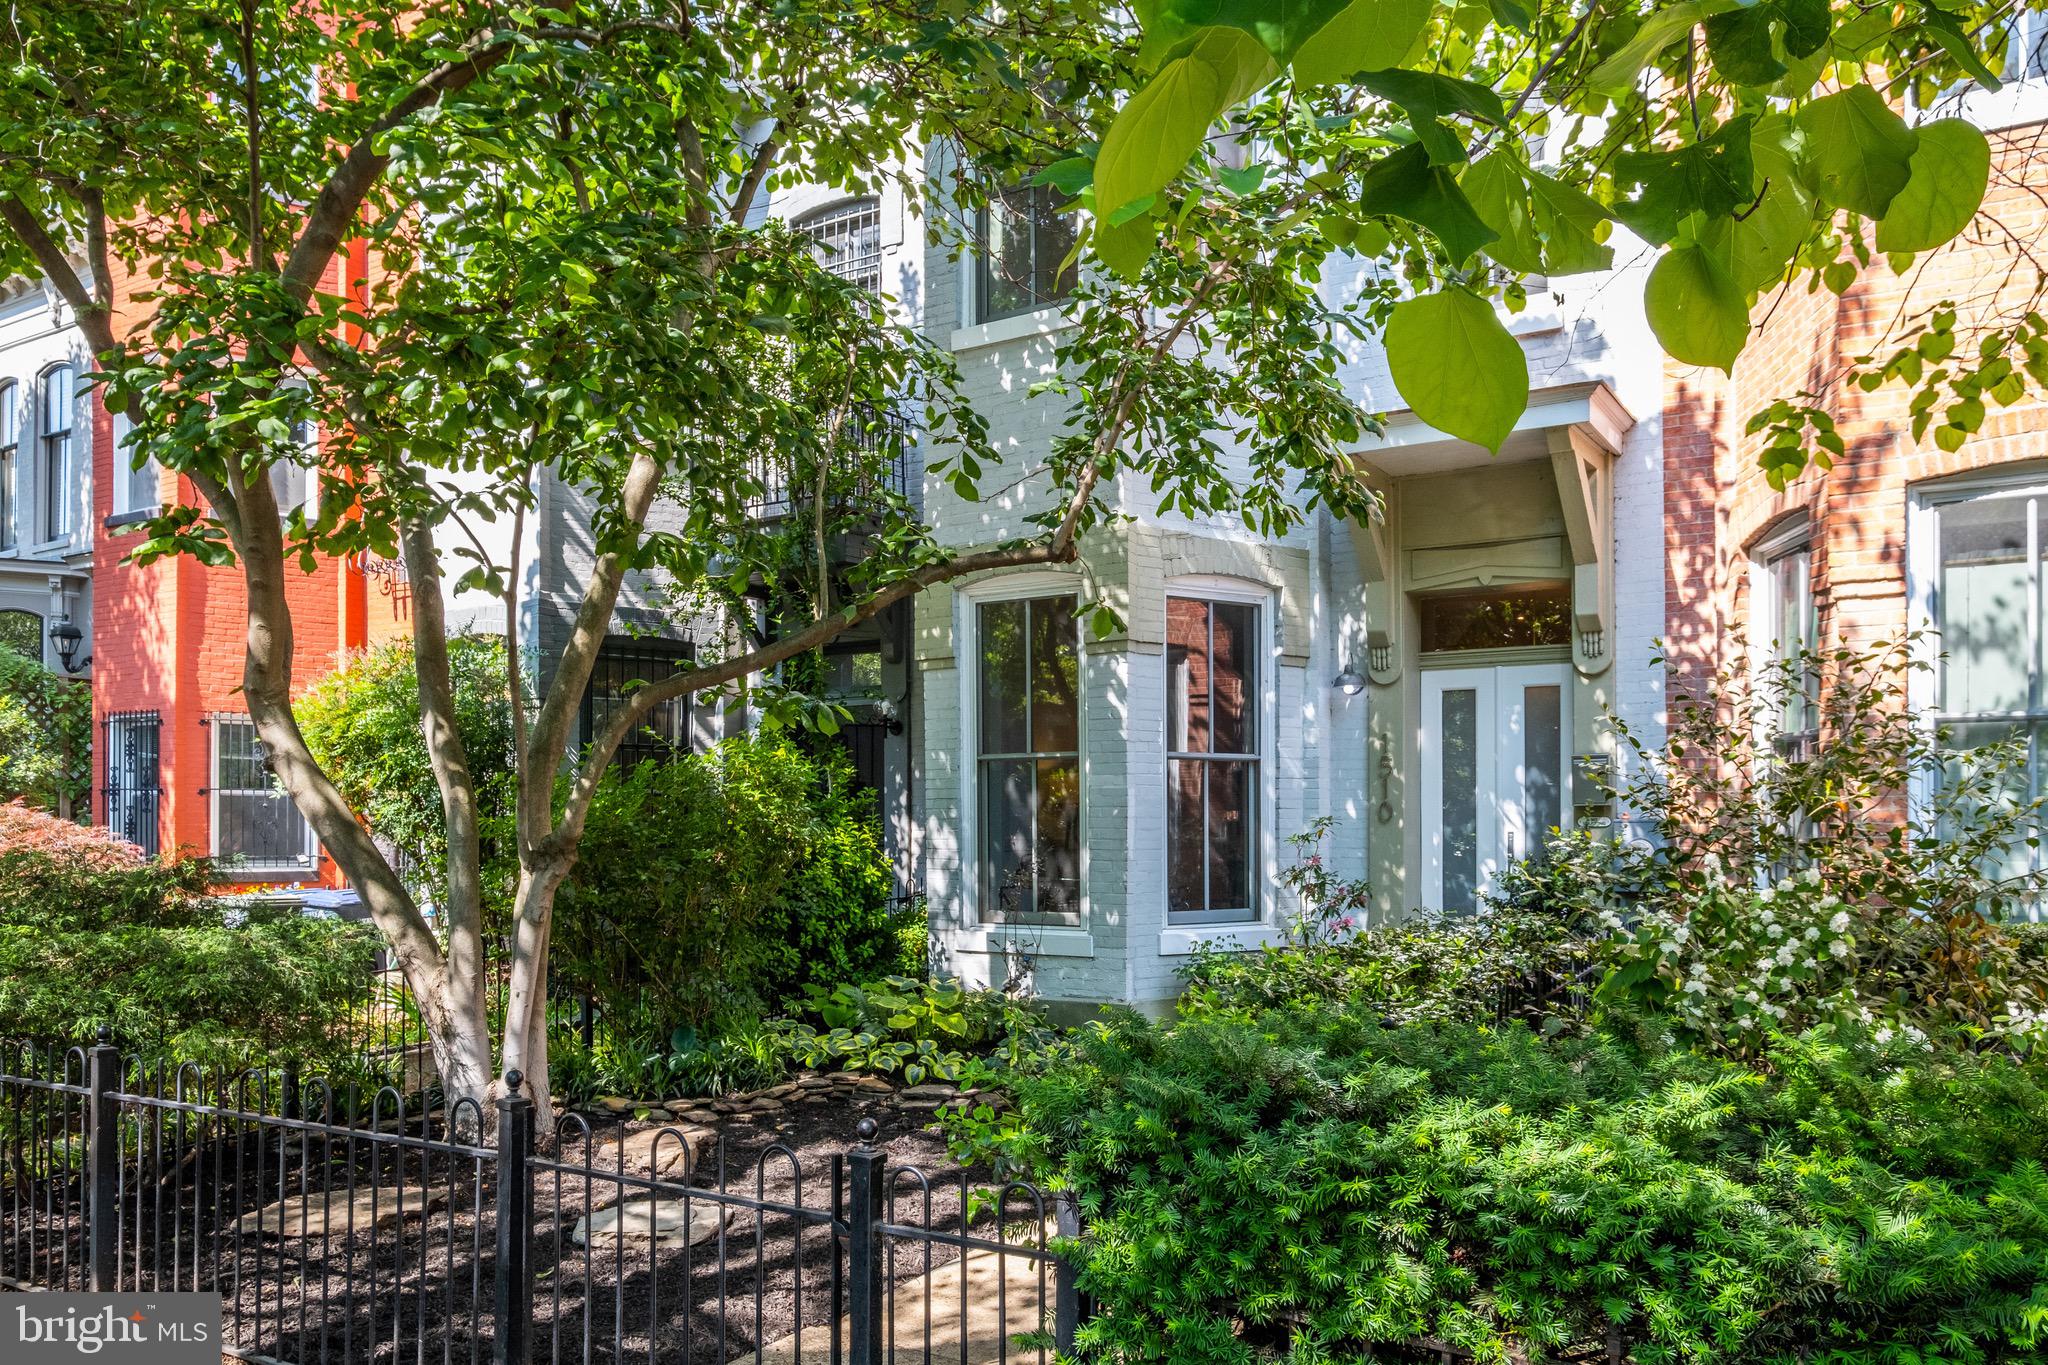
pixel 1457 367
pixel 1861 152
pixel 1405 184
pixel 1695 307
pixel 1155 134
pixel 1712 176
pixel 1950 167
pixel 1370 35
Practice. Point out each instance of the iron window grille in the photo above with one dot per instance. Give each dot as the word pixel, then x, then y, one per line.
pixel 133 776
pixel 255 823
pixel 624 664
pixel 878 437
pixel 849 240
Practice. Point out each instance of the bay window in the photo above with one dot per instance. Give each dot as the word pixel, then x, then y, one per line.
pixel 1028 759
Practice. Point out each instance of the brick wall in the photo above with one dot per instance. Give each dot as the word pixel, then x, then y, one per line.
pixel 1717 503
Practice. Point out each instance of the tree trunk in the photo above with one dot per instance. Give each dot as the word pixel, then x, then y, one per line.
pixel 525 1047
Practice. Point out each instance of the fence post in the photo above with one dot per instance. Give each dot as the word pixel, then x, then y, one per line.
pixel 1066 1296
pixel 867 1189
pixel 515 1223
pixel 103 1162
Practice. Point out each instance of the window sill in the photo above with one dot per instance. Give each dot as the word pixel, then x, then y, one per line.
pixel 120 519
pixel 1230 938
pixel 1037 940
pixel 250 876
pixel 1044 322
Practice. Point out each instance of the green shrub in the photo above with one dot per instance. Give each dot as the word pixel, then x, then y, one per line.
pixel 362 723
pixel 1308 1184
pixel 919 1030
pixel 93 933
pixel 45 735
pixel 711 888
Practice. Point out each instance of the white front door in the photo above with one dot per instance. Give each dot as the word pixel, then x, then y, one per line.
pixel 1495 748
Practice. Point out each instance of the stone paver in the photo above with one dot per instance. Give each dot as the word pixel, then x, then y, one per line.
pixel 1000 1289
pixel 665 1222
pixel 333 1213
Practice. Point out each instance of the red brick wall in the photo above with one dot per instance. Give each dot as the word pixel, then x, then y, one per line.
pixel 169 637
pixel 1717 504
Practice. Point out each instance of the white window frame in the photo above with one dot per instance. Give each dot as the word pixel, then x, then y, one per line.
pixel 11 391
pixel 128 479
pixel 308 861
pixel 306 476
pixel 1923 571
pixel 1265 872
pixel 1794 539
pixel 993 935
pixel 55 513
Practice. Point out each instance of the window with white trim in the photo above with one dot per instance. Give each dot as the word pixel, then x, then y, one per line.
pixel 1028 759
pixel 135 487
pixel 53 430
pixel 255 823
pixel 1024 256
pixel 1212 760
pixel 1984 595
pixel 10 450
pixel 1787 626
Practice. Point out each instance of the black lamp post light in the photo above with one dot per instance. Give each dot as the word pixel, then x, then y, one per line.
pixel 65 638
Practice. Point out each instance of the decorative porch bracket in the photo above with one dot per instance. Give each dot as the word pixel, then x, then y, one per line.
pixel 1372 541
pixel 1584 468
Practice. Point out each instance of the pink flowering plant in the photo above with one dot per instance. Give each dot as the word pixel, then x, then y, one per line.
pixel 1328 908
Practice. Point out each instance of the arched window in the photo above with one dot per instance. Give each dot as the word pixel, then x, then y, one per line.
pixel 53 429
pixel 849 238
pixel 10 443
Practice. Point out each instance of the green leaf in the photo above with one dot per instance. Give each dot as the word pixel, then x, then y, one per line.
pixel 1405 184
pixel 1545 226
pixel 1950 167
pixel 1617 75
pixel 1860 150
pixel 1695 307
pixel 1369 35
pixel 1125 247
pixel 1281 29
pixel 1428 99
pixel 1739 43
pixel 1712 176
pixel 1069 177
pixel 1949 33
pixel 1765 238
pixel 1457 367
pixel 1155 134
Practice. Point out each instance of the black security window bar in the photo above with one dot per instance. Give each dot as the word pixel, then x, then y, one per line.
pixel 1212 764
pixel 625 663
pixel 1028 768
pixel 1025 261
pixel 54 429
pixel 881 438
pixel 130 740
pixel 255 824
pixel 849 241
pixel 10 449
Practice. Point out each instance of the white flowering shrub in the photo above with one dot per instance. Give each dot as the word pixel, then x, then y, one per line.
pixel 1861 867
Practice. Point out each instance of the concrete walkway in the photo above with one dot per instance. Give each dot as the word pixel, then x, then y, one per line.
pixel 1010 1283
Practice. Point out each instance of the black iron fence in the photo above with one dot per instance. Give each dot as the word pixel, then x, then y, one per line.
pixel 342 1226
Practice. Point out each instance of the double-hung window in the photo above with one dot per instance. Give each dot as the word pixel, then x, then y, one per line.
pixel 1788 630
pixel 135 485
pixel 1212 760
pixel 1025 258
pixel 255 824
pixel 10 449
pixel 1983 585
pixel 1028 759
pixel 53 428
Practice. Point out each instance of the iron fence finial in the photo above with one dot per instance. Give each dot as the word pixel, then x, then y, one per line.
pixel 513 1080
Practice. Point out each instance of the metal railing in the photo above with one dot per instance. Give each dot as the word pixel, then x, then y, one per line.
pixel 342 1226
pixel 880 437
